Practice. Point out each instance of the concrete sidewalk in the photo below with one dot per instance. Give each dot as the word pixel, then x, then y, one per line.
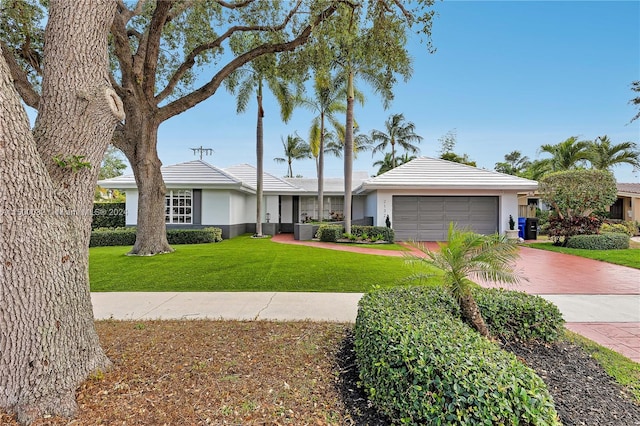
pixel 337 307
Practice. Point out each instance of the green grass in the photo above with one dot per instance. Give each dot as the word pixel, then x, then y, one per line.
pixel 629 257
pixel 622 369
pixel 243 264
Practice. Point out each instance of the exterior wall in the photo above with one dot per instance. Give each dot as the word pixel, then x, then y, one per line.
pixel 271 206
pixel 379 204
pixel 358 207
pixel 286 209
pixel 216 207
pixel 131 207
pixel 242 209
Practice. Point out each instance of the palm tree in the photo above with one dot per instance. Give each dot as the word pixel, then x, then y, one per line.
pixel 386 163
pixel 466 255
pixel 249 81
pixel 635 87
pixel 327 102
pixel 335 143
pixel 567 155
pixel 295 148
pixel 397 133
pixel 514 163
pixel 603 155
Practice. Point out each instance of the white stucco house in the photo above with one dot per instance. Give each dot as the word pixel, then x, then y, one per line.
pixel 420 198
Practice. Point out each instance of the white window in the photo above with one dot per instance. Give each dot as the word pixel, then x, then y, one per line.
pixel 178 207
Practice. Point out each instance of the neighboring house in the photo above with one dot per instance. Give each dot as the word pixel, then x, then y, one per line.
pixel 627 206
pixel 420 197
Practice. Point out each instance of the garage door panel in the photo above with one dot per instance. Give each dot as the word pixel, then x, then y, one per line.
pixel 427 218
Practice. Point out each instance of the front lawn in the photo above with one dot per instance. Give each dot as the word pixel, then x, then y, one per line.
pixel 243 264
pixel 629 257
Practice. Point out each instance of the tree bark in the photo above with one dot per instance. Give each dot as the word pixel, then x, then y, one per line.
pixel 139 144
pixel 48 343
pixel 471 314
pixel 321 171
pixel 348 155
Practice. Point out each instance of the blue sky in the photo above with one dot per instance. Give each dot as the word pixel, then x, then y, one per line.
pixel 507 75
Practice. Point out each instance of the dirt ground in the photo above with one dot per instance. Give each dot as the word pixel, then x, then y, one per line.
pixel 284 373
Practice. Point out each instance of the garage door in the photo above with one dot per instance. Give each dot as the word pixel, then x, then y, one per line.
pixel 427 218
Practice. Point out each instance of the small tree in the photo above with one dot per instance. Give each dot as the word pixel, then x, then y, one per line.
pixel 466 255
pixel 575 196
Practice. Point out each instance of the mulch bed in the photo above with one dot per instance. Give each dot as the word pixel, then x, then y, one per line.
pixel 279 373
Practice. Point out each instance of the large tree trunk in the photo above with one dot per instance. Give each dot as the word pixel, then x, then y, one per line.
pixel 48 343
pixel 139 143
pixel 348 155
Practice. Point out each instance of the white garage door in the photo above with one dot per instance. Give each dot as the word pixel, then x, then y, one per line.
pixel 427 218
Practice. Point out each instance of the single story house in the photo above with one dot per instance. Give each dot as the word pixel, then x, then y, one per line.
pixel 627 206
pixel 420 198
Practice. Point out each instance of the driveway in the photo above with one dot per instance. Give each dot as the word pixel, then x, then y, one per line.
pixel 598 300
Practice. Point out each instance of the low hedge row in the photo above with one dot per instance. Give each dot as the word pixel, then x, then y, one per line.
pixel 330 233
pixel 604 241
pixel 108 215
pixel 381 232
pixel 514 315
pixel 419 364
pixel 127 236
pixel 627 227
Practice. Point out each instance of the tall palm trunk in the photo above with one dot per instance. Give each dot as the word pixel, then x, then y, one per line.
pixel 259 162
pixel 321 171
pixel 348 155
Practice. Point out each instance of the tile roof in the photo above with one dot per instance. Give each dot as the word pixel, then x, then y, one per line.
pixel 629 188
pixel 247 174
pixel 434 173
pixel 331 185
pixel 196 173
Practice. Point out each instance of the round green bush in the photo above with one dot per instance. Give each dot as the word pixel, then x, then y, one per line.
pixel 604 241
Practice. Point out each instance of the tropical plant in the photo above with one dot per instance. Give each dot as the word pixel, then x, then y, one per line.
pixel 335 142
pixel 603 155
pixel 327 102
pixel 567 155
pixel 447 144
pixel 514 164
pixel 635 87
pixel 398 132
pixel 248 81
pixel 295 148
pixel 574 196
pixel 466 255
pixel 386 163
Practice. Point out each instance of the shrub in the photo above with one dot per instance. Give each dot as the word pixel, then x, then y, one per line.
pixel 514 315
pixel 379 232
pixel 102 237
pixel 421 365
pixel 329 233
pixel 108 215
pixel 605 241
pixel 127 236
pixel 627 227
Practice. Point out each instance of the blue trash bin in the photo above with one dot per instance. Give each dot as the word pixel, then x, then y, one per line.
pixel 522 224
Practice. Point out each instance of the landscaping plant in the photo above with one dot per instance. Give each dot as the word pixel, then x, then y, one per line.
pixel 467 255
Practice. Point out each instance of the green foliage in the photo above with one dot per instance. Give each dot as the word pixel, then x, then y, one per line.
pixel 421 365
pixel 73 162
pixel 627 227
pixel 578 192
pixel 112 164
pixel 374 232
pixel 108 215
pixel 605 241
pixel 102 237
pixel 515 315
pixel 329 233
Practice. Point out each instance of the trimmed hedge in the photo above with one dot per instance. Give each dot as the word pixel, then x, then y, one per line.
pixel 329 233
pixel 627 227
pixel 514 315
pixel 605 241
pixel 381 232
pixel 419 364
pixel 108 215
pixel 127 236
